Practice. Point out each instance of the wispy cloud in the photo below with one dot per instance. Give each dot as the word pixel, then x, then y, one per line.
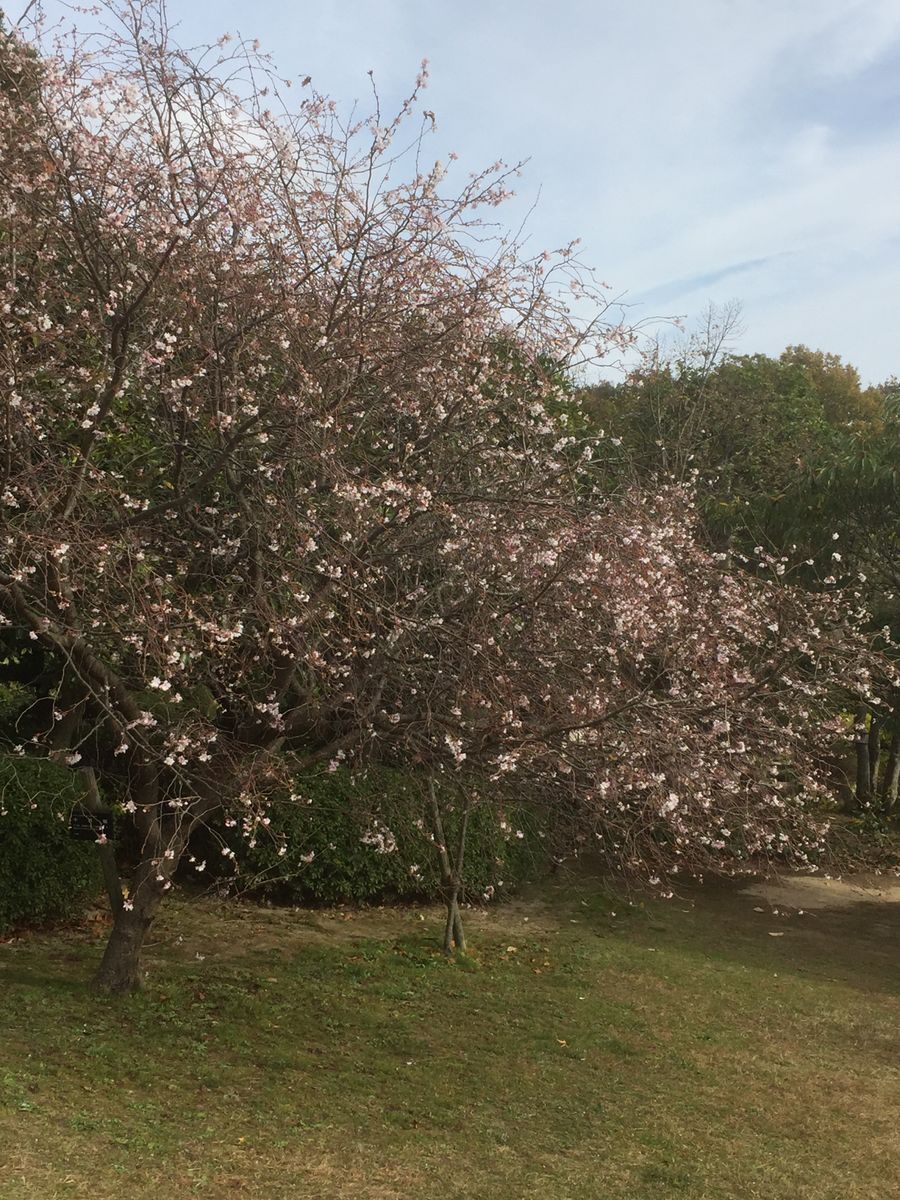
pixel 691 284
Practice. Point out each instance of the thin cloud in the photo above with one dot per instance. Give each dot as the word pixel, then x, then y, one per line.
pixel 676 288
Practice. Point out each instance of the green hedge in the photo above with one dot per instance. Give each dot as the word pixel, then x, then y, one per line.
pixel 44 875
pixel 339 816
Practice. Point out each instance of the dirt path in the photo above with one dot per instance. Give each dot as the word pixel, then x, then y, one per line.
pixel 817 892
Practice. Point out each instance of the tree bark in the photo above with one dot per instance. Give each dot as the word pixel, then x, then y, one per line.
pixel 451 873
pixel 861 742
pixel 459 935
pixel 110 869
pixel 120 968
pixel 874 747
pixel 453 930
pixel 165 836
pixel 890 782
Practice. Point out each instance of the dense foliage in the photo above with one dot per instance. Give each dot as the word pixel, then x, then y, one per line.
pixel 791 457
pixel 44 874
pixel 365 837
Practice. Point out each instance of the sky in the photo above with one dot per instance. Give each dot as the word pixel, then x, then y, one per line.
pixel 704 152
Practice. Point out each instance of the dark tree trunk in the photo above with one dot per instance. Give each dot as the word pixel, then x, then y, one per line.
pixel 164 839
pixel 165 835
pixel 111 879
pixel 94 803
pixel 120 968
pixel 861 742
pixel 874 741
pixel 890 783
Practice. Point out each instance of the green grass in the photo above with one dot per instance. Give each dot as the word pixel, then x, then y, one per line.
pixel 674 1051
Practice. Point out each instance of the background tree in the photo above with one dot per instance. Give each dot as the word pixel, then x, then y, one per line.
pixel 853 490
pixel 791 457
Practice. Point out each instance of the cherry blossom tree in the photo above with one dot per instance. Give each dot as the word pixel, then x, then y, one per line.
pixel 247 354
pixel 673 709
pixel 288 478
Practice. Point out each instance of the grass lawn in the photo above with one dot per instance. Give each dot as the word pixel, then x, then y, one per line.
pixel 676 1050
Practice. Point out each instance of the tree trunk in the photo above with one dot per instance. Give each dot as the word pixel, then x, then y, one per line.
pixel 454 934
pixel 165 836
pixel 890 783
pixel 451 873
pixel 111 876
pixel 874 741
pixel 861 742
pixel 120 968
pixel 459 935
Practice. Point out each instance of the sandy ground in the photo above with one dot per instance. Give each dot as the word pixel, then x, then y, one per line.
pixel 817 891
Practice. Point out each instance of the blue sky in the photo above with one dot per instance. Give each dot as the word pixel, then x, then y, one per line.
pixel 704 151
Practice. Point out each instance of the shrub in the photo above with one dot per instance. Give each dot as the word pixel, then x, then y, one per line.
pixel 363 837
pixel 44 875
pixel 13 701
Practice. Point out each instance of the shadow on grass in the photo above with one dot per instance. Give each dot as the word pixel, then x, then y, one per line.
pixel 856 945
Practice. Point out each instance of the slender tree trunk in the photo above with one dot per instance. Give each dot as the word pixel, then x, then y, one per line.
pixel 874 747
pixel 459 935
pixel 890 782
pixel 861 742
pixel 453 930
pixel 451 873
